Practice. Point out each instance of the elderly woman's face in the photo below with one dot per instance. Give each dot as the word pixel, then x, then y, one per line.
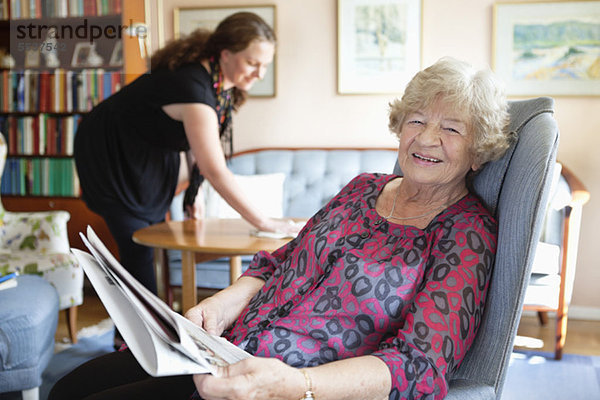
pixel 435 146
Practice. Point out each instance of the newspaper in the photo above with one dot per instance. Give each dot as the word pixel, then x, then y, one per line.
pixel 163 341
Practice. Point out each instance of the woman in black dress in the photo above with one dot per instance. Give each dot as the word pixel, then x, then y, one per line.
pixel 128 148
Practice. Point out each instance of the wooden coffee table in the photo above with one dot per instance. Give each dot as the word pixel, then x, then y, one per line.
pixel 203 240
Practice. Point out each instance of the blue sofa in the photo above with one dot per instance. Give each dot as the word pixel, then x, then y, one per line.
pixel 312 177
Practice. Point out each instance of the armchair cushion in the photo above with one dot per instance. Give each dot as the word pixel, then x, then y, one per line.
pixel 37 243
pixel 547 259
pixel 28 319
pixel 60 269
pixel 35 232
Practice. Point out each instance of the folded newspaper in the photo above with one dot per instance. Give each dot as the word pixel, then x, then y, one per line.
pixel 163 341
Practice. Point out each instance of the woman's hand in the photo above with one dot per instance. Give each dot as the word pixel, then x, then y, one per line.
pixel 210 315
pixel 196 209
pixel 253 378
pixel 217 313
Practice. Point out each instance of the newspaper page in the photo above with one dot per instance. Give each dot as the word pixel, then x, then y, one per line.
pixel 163 341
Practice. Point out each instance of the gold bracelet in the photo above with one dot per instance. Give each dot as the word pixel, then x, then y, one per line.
pixel 309 394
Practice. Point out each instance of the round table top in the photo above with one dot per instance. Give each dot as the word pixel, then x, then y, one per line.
pixel 218 236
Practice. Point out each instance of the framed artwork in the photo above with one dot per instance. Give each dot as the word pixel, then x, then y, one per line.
pixel 379 45
pixel 189 19
pixel 548 48
pixel 81 53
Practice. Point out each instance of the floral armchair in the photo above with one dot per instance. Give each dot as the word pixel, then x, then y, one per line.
pixel 37 243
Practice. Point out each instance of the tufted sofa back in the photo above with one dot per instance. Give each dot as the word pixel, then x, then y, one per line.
pixel 312 176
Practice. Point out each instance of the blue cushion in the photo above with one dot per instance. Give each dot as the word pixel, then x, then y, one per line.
pixel 28 319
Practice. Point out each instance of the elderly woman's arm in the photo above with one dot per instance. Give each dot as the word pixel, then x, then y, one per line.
pixel 218 312
pixel 362 378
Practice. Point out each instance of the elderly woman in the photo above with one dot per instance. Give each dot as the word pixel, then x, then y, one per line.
pixel 381 294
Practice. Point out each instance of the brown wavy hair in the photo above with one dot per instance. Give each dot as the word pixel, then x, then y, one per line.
pixel 234 33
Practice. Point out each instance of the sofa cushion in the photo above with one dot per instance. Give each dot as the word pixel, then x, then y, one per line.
pixel 265 192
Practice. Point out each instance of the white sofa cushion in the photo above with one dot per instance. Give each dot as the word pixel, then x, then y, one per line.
pixel 264 191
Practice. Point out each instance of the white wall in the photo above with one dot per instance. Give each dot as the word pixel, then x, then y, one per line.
pixel 308 112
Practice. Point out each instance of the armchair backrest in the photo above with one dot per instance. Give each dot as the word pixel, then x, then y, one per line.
pixel 515 188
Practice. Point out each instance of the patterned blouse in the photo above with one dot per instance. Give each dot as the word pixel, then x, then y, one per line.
pixel 353 284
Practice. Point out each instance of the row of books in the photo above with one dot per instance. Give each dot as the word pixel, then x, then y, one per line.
pixel 40 177
pixel 57 8
pixel 57 91
pixel 41 134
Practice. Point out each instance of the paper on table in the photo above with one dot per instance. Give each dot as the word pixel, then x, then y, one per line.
pixel 272 235
pixel 277 235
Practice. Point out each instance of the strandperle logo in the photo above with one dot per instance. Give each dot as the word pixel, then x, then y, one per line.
pixel 81 31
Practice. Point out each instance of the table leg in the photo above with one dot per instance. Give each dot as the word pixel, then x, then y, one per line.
pixel 188 282
pixel 235 268
pixel 159 271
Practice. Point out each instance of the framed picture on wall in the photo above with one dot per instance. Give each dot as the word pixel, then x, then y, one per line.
pixel 550 48
pixel 379 45
pixel 189 19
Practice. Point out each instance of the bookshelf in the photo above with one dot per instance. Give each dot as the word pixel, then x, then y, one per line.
pixel 65 56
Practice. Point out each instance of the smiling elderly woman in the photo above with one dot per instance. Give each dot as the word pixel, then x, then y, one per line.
pixel 381 294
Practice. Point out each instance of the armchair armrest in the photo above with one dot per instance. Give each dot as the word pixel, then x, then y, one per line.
pixel 579 193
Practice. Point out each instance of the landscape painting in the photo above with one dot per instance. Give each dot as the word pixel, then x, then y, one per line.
pixel 548 48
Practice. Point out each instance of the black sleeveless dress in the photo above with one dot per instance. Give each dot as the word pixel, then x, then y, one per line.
pixel 127 148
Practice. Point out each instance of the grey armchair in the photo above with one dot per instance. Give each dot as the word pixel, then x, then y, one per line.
pixel 516 190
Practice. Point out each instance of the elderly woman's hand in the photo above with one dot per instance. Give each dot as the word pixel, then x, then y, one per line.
pixel 210 315
pixel 253 378
pixel 217 313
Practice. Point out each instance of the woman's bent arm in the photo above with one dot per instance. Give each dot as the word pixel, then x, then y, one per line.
pixel 362 378
pixel 217 313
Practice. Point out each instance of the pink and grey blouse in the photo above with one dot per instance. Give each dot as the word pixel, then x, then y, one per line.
pixel 354 284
